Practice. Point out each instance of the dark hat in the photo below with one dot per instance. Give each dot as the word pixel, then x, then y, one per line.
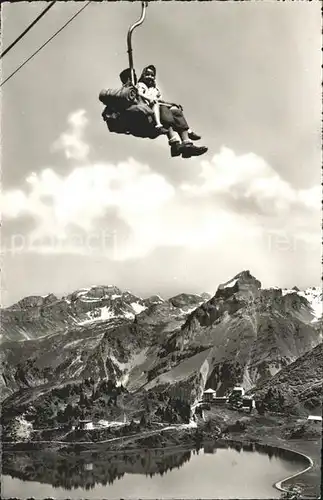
pixel 151 67
pixel 125 75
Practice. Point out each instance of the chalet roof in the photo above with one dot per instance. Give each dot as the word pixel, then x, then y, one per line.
pixel 209 391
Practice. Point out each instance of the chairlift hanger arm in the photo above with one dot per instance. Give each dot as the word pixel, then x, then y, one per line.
pixel 129 36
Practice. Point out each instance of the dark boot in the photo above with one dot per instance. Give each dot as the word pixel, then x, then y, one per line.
pixel 193 136
pixel 190 150
pixel 176 149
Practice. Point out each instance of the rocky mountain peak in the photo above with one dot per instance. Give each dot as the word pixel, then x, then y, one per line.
pixel 50 299
pixel 33 302
pixel 186 299
pixel 95 292
pixel 243 282
pixel 102 291
pixel 154 299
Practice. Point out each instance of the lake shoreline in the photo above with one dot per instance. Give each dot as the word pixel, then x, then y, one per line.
pixel 272 434
pixel 257 434
pixel 218 444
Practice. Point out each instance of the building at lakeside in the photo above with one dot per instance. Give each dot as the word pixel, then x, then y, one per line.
pixel 209 395
pixel 85 425
pixel 314 418
pixel 238 390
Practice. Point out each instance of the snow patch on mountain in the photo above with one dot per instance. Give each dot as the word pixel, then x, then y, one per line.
pixel 230 284
pixel 99 314
pixel 285 291
pixel 82 292
pixel 25 334
pixel 129 315
pixel 73 343
pixel 128 311
pixel 106 313
pixel 247 379
pixel 118 363
pixel 89 299
pixel 313 295
pixel 204 371
pixel 158 297
pixel 79 365
pixel 138 308
pixel 188 310
pixel 273 369
pixel 134 363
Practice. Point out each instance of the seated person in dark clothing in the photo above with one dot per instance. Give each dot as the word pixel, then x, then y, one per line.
pixel 171 117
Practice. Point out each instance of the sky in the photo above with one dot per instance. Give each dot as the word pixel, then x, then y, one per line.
pixel 82 206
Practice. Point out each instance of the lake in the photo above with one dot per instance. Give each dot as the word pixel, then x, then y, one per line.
pixel 216 471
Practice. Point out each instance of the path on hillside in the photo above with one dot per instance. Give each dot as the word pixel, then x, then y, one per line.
pixel 119 438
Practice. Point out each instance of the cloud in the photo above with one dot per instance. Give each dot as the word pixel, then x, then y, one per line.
pixel 71 207
pixel 248 181
pixel 71 141
pixel 14 203
pixel 238 208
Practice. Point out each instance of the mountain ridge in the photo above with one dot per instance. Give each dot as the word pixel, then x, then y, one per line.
pixel 36 316
pixel 243 334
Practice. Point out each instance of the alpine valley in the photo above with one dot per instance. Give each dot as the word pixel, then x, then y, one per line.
pixel 242 335
pixel 106 372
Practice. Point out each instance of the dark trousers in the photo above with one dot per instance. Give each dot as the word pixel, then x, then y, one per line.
pixel 173 117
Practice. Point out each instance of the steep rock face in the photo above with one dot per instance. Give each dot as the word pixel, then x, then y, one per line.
pixel 249 334
pixel 102 351
pixel 186 300
pixel 244 286
pixel 31 302
pixel 48 360
pixel 293 302
pixel 111 358
pixel 35 317
pixel 300 384
pixel 314 296
pixel 167 316
pixel 153 300
pixel 158 314
pixel 185 380
pixel 307 303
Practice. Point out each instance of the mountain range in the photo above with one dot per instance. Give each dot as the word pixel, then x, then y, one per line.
pixel 243 334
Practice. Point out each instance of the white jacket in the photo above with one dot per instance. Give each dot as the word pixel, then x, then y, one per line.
pixel 148 93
